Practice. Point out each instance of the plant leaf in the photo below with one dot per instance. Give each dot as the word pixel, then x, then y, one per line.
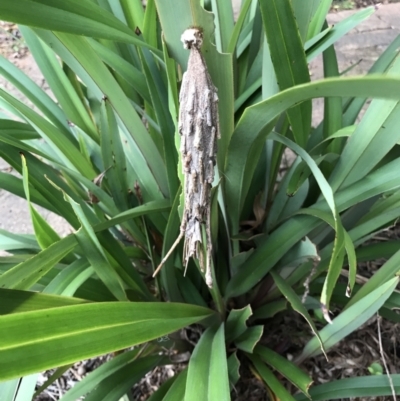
pixel 177 390
pixel 27 273
pixel 34 93
pixel 256 123
pixel 297 305
pixel 250 338
pixel 64 147
pixel 270 309
pixel 116 384
pixel 383 274
pixel 233 369
pixel 207 377
pixel 291 371
pixel 81 50
pixel 236 322
pixel 59 84
pixel 321 41
pixel 17 301
pixel 280 241
pixel 91 247
pixel 63 335
pixel 44 233
pixel 270 379
pixel 350 320
pixel 288 58
pixel 354 387
pixel 75 16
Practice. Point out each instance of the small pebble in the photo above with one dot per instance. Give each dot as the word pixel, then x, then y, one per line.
pixel 81 370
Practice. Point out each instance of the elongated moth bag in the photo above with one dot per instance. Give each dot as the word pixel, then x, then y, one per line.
pixel 199 130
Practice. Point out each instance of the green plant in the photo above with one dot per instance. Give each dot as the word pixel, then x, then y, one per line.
pixel 104 157
pixel 375 369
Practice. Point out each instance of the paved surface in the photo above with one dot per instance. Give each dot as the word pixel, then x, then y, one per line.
pixel 364 43
pixel 14 212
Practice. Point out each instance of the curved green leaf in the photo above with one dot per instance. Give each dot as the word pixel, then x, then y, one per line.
pixel 238 26
pixel 384 273
pixel 134 13
pixel 41 190
pixel 114 386
pixel 351 255
pixel 59 84
pixel 270 379
pixel 81 50
pixel 350 320
pixel 129 72
pixel 64 147
pixel 233 369
pixel 51 379
pixel 113 156
pixel 355 387
pixel 40 340
pixel 11 241
pixel 19 390
pixel 157 206
pixel 94 252
pixel 296 303
pixel 250 338
pixel 80 17
pixel 44 233
pixel 16 301
pixel 208 369
pixel 270 309
pixel 257 121
pixel 353 107
pixel 27 273
pixel 34 93
pixel 292 372
pixel 177 390
pixel 272 248
pixel 288 59
pixel 373 138
pixel 236 322
pixel 71 277
pixel 321 42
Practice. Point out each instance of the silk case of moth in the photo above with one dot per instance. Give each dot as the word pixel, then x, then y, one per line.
pixel 199 130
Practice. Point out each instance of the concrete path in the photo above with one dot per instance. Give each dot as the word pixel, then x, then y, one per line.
pixel 362 46
pixel 364 43
pixel 369 39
